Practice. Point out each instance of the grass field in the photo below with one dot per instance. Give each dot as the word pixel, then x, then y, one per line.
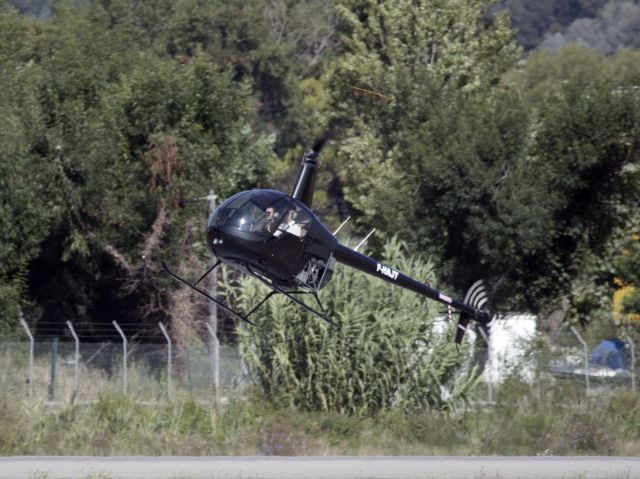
pixel 547 418
pixel 557 421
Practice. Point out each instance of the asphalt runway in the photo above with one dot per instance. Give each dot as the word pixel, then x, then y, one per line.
pixel 347 467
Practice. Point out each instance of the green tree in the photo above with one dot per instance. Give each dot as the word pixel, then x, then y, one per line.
pixel 544 73
pixel 492 182
pixel 436 153
pixel 116 136
pixel 386 353
pixel 274 44
pixel 585 160
pixel 457 42
pixel 459 180
pixel 27 208
pixel 627 265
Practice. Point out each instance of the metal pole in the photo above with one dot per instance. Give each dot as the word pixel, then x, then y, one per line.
pixel 216 374
pixel 489 367
pixel 54 359
pixel 31 348
pixel 586 357
pixel 164 331
pixel 632 347
pixel 77 359
pixel 212 325
pixel 124 357
pixel 187 355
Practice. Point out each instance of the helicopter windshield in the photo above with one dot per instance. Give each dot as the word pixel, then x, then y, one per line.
pixel 263 212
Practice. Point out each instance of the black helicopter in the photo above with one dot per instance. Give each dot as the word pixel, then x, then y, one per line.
pixel 276 238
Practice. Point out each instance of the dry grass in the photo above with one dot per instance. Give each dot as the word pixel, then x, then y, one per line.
pixel 120 426
pixel 550 419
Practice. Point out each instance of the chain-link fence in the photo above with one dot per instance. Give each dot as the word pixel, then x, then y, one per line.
pixel 591 361
pixel 153 372
pixel 53 372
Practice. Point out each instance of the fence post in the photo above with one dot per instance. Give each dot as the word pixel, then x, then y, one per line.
pixel 77 358
pixel 489 366
pixel 586 357
pixel 31 347
pixel 54 358
pixel 632 347
pixel 212 325
pixel 164 331
pixel 216 364
pixel 124 357
pixel 187 355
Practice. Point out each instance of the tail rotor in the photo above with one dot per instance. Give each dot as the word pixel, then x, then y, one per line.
pixel 477 297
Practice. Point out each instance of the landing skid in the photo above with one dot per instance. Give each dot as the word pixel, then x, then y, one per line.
pixel 275 290
pixel 289 294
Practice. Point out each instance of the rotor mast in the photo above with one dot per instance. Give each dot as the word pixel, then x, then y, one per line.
pixel 306 181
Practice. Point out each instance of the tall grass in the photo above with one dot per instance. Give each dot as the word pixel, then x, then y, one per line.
pixel 553 421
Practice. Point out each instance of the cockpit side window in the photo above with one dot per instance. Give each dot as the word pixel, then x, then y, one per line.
pixel 227 209
pixel 258 214
pixel 248 216
pixel 265 214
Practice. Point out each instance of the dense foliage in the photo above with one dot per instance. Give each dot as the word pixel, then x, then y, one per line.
pixel 472 172
pixel 386 352
pixel 101 143
pixel 114 114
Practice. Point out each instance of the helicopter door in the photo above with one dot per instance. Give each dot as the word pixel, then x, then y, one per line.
pixel 290 236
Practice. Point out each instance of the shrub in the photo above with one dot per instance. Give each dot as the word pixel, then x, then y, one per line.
pixel 385 354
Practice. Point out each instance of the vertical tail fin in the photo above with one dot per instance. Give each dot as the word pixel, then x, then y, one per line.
pixel 461 328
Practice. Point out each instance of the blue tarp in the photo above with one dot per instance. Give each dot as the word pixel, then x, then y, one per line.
pixel 610 353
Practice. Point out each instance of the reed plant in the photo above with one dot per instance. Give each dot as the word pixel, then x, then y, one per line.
pixel 385 353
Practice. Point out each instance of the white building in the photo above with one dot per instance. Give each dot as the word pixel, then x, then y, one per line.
pixel 510 342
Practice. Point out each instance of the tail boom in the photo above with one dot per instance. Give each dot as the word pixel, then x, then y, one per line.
pixel 356 260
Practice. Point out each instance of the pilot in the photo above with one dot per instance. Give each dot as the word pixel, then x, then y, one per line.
pixel 268 222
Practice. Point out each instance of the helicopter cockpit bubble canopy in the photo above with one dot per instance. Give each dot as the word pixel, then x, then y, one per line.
pixel 244 211
pixel 270 215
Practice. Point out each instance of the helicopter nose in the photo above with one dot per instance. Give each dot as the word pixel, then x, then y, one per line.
pixel 214 238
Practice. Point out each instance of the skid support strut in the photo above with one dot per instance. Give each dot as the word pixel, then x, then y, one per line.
pixel 204 293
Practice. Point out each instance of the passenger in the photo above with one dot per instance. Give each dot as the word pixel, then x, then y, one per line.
pixel 290 226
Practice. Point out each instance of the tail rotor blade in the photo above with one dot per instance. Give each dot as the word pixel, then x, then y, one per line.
pixel 477 297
